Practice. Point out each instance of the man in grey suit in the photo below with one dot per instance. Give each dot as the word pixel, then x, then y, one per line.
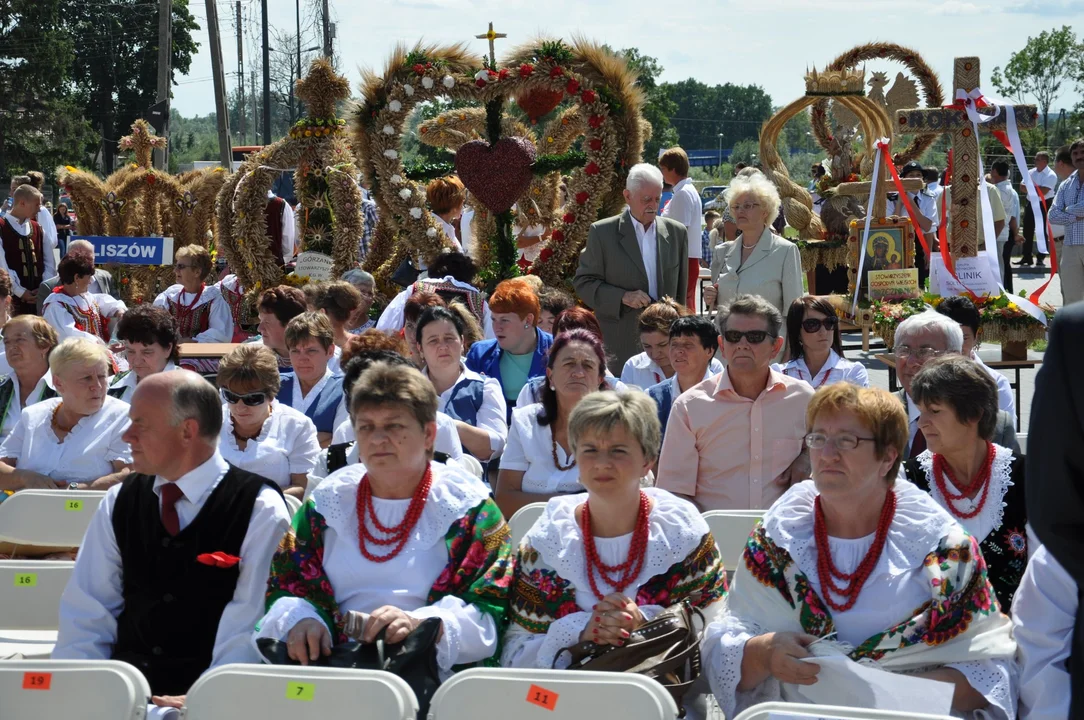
pixel 630 261
pixel 918 339
pixel 102 282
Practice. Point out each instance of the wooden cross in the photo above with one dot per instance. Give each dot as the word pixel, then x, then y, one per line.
pixel 142 142
pixel 879 204
pixel 491 36
pixel 966 208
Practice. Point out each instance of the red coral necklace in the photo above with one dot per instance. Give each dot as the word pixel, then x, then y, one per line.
pixel 982 478
pixel 827 569
pixel 620 576
pixel 396 535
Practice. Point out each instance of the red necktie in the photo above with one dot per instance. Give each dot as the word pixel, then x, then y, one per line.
pixel 170 495
pixel 918 446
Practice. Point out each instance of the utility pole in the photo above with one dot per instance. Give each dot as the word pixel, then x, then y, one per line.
pixel 165 72
pixel 327 32
pixel 255 113
pixel 224 150
pixel 266 77
pixel 240 75
pixel 297 10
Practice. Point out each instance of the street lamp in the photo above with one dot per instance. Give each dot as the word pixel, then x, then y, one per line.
pixel 720 165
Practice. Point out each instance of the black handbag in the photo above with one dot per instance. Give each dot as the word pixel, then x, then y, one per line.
pixel 666 649
pixel 414 659
pixel 406 274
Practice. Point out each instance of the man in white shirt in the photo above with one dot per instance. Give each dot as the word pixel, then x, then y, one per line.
pixel 23 252
pixel 1009 236
pixel 928 216
pixel 173 569
pixel 686 208
pixel 932 177
pixel 45 218
pixel 1045 181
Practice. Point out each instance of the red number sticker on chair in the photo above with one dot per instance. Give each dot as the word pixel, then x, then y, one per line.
pixel 542 697
pixel 37 681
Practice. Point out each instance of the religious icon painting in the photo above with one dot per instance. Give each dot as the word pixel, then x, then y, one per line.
pixel 890 246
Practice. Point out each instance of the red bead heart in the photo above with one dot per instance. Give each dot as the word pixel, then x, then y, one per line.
pixel 496 175
pixel 539 102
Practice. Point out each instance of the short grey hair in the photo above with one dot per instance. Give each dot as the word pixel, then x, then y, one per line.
pixel 758 186
pixel 932 320
pixel 643 174
pixel 77 351
pixel 752 305
pixel 355 277
pixel 192 397
pixel 601 412
pixel 77 246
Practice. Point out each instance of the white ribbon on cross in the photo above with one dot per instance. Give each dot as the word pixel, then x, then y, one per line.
pixel 880 145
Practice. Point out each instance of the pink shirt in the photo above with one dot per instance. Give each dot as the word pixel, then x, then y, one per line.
pixel 727 451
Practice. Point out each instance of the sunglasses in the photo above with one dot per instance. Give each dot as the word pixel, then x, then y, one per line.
pixel 755 337
pixel 812 325
pixel 251 399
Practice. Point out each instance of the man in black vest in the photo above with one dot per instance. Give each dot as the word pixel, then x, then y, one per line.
pixel 173 569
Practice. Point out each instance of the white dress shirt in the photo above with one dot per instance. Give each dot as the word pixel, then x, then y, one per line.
pixel 449 230
pixel 685 207
pixel 128 382
pixel 1011 201
pixel 219 324
pixel 835 369
pixel 1046 178
pixel 286 445
pixel 85 454
pixel 56 313
pixel 493 413
pixel 645 238
pixel 530 450
pixel 94 596
pixel 289 232
pixel 48 241
pixel 10 415
pixel 643 372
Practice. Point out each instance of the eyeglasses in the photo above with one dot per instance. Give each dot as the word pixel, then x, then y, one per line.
pixel 844 441
pixel 813 325
pixel 755 337
pixel 922 353
pixel 251 399
pixel 745 206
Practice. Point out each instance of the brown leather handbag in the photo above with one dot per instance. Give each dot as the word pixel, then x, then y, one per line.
pixel 666 649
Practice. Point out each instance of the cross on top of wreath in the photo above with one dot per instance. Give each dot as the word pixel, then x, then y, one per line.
pixel 322 89
pixel 491 35
pixel 142 142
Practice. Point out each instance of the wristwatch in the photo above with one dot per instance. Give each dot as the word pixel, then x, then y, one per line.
pixel 73 486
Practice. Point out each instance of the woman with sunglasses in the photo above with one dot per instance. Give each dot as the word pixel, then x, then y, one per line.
pixel 858 563
pixel 816 351
pixel 258 434
pixel 199 311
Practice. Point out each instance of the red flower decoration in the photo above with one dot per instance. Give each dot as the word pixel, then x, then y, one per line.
pixel 480 82
pixel 419 69
pixel 502 74
pixel 557 236
pixel 151 179
pixel 524 264
pixel 591 169
pixel 581 198
pixel 595 144
pixel 526 69
pixel 545 255
pixel 589 96
pixel 573 86
pixel 569 218
pixel 556 71
pixel 218 559
pixel 595 121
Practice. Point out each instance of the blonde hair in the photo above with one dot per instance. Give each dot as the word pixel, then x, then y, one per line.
pixel 535 282
pixel 74 352
pixel 44 334
pixel 879 411
pixel 250 364
pixel 761 189
pixel 601 412
pixel 199 256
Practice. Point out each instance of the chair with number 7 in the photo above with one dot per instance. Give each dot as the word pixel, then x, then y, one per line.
pixel 46 689
pixel 282 692
pixel 500 693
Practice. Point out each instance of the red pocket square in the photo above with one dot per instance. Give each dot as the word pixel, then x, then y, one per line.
pixel 218 559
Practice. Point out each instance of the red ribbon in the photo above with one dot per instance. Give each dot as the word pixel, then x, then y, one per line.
pixel 980 102
pixel 904 197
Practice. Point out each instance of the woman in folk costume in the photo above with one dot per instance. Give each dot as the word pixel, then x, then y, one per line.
pixel 859 564
pixel 596 566
pixel 199 310
pixel 234 295
pixel 449 276
pixel 397 537
pixel 76 312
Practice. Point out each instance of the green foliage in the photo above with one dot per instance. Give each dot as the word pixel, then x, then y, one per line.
pixel 564 163
pixel 1041 68
pixel 658 108
pixel 704 112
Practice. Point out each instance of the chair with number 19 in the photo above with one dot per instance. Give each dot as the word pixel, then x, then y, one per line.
pixel 859 565
pixel 47 689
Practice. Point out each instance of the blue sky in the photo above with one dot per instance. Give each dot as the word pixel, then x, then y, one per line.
pixel 763 42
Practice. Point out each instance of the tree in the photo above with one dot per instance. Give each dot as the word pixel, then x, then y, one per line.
pixel 40 127
pixel 115 69
pixel 1039 69
pixel 705 112
pixel 658 107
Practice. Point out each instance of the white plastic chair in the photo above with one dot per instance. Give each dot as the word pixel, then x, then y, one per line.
pixel 471 465
pixel 731 529
pixel 30 593
pixel 279 692
pixel 781 710
pixel 93 689
pixel 54 518
pixel 522 520
pixel 1022 439
pixel 500 693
